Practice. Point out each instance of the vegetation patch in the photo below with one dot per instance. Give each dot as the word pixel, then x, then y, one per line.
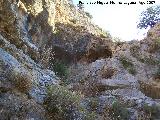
pixel 128 65
pixel 135 51
pixel 103 36
pixel 153 111
pixel 89 15
pixel 21 80
pixel 119 111
pixel 61 103
pixel 107 73
pixel 61 70
pixel 155 46
pixel 90 87
pixel 151 61
pixel 90 116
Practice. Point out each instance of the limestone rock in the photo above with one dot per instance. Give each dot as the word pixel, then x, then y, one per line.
pixel 15 105
pixel 23 73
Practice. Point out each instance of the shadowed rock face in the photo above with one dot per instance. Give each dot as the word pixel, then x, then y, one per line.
pixel 97 53
pixel 89 54
pixel 75 43
pixel 31 25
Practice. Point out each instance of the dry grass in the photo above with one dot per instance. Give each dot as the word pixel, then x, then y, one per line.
pixel 150 89
pixel 107 72
pixel 90 87
pixel 21 80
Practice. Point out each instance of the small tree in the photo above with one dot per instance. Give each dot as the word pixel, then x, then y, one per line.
pixel 149 17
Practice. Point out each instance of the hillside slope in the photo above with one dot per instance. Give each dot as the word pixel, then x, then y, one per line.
pixel 55 64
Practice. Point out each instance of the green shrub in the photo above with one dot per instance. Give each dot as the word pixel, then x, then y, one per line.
pixel 127 64
pixel 61 103
pixel 153 111
pixel 60 69
pixel 119 112
pixel 132 71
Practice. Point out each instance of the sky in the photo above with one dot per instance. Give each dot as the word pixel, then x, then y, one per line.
pixel 119 20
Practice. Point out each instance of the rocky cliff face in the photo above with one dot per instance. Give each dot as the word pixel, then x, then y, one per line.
pixel 36 33
pixel 30 32
pixel 130 76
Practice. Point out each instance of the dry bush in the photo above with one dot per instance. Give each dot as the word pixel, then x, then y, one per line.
pixel 22 80
pixel 143 116
pixel 107 72
pixel 150 89
pixel 119 111
pixel 89 87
